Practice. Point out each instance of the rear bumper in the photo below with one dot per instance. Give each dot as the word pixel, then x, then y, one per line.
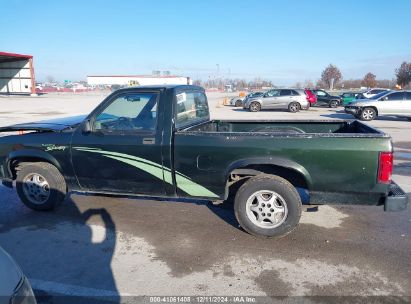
pixel 396 200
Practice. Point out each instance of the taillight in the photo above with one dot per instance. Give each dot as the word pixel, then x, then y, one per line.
pixel 385 167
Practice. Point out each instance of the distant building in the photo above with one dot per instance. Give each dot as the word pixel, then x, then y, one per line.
pixel 16 74
pixel 137 80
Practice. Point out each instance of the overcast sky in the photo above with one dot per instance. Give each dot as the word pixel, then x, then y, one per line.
pixel 283 41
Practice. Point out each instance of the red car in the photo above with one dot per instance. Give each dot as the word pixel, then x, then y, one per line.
pixel 311 97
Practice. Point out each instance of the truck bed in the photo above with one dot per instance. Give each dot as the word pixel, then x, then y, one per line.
pixel 337 158
pixel 330 127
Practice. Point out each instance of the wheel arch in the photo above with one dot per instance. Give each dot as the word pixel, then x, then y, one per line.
pixel 29 155
pixel 295 173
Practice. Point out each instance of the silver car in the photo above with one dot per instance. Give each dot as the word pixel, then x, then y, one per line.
pixel 391 103
pixel 14 286
pixel 239 101
pixel 292 100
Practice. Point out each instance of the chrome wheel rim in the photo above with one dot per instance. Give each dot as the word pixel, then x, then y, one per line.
pixel 266 209
pixel 293 108
pixel 36 188
pixel 368 114
pixel 254 107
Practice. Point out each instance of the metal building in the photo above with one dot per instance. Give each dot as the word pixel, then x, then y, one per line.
pixel 16 74
pixel 137 80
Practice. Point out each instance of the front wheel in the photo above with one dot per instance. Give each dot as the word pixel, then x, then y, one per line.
pixel 255 107
pixel 333 104
pixel 268 206
pixel 40 186
pixel 238 103
pixel 368 114
pixel 294 107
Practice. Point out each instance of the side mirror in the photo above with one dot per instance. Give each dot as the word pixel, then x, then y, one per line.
pixel 86 127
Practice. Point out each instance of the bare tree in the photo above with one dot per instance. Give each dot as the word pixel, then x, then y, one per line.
pixel 198 82
pixel 320 84
pixel 308 83
pixel 403 74
pixel 369 80
pixel 298 85
pixel 331 76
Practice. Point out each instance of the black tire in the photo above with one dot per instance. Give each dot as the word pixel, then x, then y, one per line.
pixel 368 114
pixel 294 107
pixel 281 187
pixel 254 106
pixel 238 103
pixel 333 104
pixel 56 186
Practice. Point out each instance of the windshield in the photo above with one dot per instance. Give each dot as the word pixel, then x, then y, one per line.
pixel 255 94
pixel 379 95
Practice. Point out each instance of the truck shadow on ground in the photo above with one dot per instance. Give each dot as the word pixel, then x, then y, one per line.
pixel 63 249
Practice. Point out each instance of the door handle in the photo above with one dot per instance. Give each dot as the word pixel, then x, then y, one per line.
pixel 149 141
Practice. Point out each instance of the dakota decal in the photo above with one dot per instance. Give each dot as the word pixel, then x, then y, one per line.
pixel 52 147
pixel 183 182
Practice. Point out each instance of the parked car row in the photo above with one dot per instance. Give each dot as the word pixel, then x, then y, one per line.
pixel 362 105
pixel 391 103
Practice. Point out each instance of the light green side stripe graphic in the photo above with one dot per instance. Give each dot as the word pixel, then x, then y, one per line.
pixel 183 182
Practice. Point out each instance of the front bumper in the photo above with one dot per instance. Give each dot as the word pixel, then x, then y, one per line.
pixel 396 200
pixel 352 110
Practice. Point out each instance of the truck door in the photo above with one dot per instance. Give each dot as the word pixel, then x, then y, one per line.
pixel 120 149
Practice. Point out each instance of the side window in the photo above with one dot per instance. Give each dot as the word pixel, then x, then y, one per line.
pixel 191 107
pixel 295 93
pixel 396 96
pixel 273 93
pixel 130 112
pixel 320 93
pixel 285 93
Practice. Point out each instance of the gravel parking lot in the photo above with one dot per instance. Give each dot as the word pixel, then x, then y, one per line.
pixel 96 246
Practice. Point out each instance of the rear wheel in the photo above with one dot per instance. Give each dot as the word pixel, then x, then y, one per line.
pixel 368 114
pixel 333 104
pixel 238 103
pixel 40 186
pixel 268 206
pixel 255 106
pixel 294 107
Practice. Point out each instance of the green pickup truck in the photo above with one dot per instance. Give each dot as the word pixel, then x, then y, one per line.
pixel 159 141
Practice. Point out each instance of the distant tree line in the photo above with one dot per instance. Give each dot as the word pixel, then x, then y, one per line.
pixel 239 84
pixel 331 78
